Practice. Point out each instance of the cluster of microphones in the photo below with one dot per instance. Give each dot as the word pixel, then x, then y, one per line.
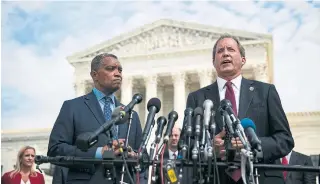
pixel 198 130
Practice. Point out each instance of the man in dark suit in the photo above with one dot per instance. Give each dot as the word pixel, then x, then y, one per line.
pixel 86 114
pixel 250 99
pixel 292 177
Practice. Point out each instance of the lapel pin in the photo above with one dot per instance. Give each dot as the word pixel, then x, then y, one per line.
pixel 251 88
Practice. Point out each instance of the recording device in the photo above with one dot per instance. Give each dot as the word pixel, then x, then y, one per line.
pixel 172 118
pixel 136 99
pixel 153 106
pixel 86 140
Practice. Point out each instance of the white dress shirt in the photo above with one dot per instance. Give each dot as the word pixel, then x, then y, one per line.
pixel 236 86
pixel 171 156
pixel 22 182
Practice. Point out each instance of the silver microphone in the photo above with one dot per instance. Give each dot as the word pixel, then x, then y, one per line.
pixel 207 106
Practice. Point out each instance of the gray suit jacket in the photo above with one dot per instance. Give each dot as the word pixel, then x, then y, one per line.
pixel 300 177
pixel 80 115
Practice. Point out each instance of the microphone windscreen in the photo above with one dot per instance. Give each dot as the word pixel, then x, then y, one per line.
pixel 246 123
pixel 137 97
pixel 225 103
pixel 154 102
pixel 116 112
pixel 198 111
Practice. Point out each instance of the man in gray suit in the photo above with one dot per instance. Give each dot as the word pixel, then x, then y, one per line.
pixel 292 177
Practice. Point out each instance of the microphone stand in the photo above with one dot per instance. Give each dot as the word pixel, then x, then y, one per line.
pixel 209 151
pixel 125 154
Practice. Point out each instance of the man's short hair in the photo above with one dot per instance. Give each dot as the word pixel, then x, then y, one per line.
pixel 97 60
pixel 226 35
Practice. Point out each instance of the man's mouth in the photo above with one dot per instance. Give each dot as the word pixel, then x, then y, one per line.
pixel 226 62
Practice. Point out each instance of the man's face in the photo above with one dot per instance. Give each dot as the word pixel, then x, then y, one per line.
pixel 174 138
pixel 228 61
pixel 108 77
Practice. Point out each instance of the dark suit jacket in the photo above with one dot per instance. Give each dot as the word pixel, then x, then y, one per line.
pixel 300 177
pixel 60 175
pixel 5 179
pixel 84 114
pixel 261 103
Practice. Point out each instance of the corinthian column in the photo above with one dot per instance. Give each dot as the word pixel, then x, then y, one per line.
pixel 205 77
pixel 179 96
pixel 126 90
pixel 261 72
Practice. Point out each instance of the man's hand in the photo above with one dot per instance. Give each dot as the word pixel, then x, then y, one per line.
pixel 236 143
pixel 219 144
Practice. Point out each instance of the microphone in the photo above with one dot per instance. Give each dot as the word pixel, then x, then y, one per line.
pixel 188 113
pixel 86 140
pixel 116 112
pixel 250 131
pixel 153 106
pixel 207 106
pixel 172 118
pixel 136 99
pixel 162 121
pixel 198 112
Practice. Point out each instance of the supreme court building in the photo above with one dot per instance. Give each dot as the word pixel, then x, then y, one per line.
pixel 168 59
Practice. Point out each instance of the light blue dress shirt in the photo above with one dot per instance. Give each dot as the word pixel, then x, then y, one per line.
pixel 100 97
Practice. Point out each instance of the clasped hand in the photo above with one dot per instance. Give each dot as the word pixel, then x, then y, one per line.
pixel 219 144
pixel 117 146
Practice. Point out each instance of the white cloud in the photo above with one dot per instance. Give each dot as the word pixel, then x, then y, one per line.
pixel 47 78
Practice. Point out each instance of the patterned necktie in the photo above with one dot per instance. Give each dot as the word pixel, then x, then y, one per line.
pixel 231 97
pixel 235 175
pixel 108 114
pixel 285 162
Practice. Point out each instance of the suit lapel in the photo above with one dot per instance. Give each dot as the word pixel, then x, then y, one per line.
pixel 246 94
pixel 94 106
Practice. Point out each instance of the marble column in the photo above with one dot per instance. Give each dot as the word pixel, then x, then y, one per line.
pixel 179 96
pixel 261 72
pixel 205 77
pixel 126 90
pixel 151 89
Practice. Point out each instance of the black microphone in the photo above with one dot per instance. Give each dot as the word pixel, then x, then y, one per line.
pixel 198 112
pixel 226 105
pixel 250 131
pixel 188 113
pixel 86 140
pixel 161 121
pixel 136 99
pixel 172 118
pixel 153 106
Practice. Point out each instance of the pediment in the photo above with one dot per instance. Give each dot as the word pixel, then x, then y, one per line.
pixel 164 35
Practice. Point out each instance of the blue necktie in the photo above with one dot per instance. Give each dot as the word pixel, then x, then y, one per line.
pixel 108 114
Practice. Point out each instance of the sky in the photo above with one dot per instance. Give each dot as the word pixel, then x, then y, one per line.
pixel 38 36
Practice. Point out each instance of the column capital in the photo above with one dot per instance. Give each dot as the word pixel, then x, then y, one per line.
pixel 178 76
pixel 205 72
pixel 261 72
pixel 151 79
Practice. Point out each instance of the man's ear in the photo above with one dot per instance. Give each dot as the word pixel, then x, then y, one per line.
pixel 243 61
pixel 93 74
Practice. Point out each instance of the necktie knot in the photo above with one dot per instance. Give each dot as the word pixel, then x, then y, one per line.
pixel 229 84
pixel 108 100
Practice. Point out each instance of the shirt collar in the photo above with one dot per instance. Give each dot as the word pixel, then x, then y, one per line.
pixel 101 95
pixel 222 82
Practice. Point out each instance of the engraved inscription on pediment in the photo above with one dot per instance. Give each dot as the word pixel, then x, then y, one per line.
pixel 160 39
